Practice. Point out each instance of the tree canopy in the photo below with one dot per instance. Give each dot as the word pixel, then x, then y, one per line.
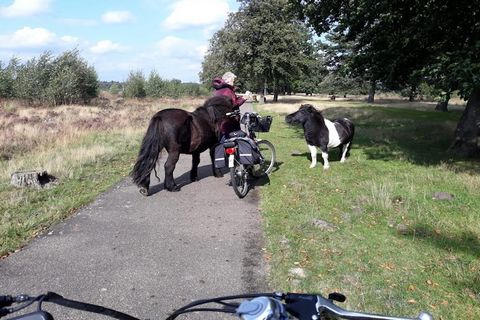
pixel 47 79
pixel 400 42
pixel 263 43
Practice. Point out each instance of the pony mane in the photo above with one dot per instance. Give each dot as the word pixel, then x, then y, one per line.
pixel 310 108
pixel 216 107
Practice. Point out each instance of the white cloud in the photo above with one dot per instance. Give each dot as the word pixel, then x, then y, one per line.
pixel 23 8
pixel 106 46
pixel 194 13
pixel 28 38
pixel 69 39
pixel 175 47
pixel 79 22
pixel 117 17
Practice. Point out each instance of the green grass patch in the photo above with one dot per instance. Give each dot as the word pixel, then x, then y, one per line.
pixel 388 245
pixel 85 168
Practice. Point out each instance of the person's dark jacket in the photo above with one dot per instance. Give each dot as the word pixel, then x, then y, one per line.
pixel 224 89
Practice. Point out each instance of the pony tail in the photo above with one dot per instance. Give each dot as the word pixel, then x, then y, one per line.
pixel 149 152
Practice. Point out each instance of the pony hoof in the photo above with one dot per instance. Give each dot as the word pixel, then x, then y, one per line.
pixel 144 192
pixel 326 168
pixel 174 189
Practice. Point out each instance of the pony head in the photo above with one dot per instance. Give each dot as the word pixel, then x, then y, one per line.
pixel 217 107
pixel 301 115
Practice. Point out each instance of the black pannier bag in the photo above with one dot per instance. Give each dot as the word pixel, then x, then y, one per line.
pixel 248 152
pixel 262 124
pixel 237 134
pixel 220 156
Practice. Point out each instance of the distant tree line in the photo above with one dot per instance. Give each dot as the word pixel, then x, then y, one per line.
pixel 65 79
pixel 68 79
pixel 138 86
pixel 408 45
pixel 272 49
pixel 419 48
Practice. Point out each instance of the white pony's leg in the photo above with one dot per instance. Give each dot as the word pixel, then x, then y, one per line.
pixel 344 152
pixel 313 153
pixel 325 160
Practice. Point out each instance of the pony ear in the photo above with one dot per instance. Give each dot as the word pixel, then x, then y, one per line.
pixel 308 107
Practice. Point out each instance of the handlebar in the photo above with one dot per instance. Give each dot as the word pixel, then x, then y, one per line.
pixel 274 306
pixel 235 112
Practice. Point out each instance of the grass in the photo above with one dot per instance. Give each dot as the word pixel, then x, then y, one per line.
pixel 83 175
pixel 388 246
pixel 88 148
pixel 391 248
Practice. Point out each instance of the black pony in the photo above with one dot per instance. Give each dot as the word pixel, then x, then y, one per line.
pixel 323 133
pixel 179 131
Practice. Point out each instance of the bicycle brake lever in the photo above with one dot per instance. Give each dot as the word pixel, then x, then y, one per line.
pixel 336 296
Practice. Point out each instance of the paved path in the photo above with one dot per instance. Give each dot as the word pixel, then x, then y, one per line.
pixel 147 255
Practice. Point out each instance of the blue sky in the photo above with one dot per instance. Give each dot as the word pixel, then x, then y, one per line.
pixel 115 36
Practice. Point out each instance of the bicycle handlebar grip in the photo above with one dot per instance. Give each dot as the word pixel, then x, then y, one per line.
pixel 425 316
pixel 6 301
pixel 262 308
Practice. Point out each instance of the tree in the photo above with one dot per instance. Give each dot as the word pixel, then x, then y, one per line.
pixel 155 86
pixel 263 43
pixel 115 88
pixel 71 80
pixel 64 79
pixel 135 85
pixel 32 79
pixel 403 38
pixel 7 79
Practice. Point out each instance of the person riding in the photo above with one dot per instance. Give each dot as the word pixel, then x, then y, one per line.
pixel 224 87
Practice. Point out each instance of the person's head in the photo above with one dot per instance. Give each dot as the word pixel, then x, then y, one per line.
pixel 229 78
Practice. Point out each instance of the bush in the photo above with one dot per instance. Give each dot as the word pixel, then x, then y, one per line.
pixel 115 88
pixel 65 79
pixel 155 86
pixel 135 85
pixel 7 79
pixel 429 92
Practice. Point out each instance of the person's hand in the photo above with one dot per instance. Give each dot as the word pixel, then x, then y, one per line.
pixel 248 96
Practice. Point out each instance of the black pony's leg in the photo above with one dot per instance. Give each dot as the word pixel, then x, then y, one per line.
pixel 169 167
pixel 195 162
pixel 216 172
pixel 144 186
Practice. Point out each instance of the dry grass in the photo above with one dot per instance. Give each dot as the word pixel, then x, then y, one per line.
pixel 88 148
pixel 288 104
pixel 24 130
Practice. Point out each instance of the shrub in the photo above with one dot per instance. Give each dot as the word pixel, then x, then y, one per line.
pixel 135 85
pixel 61 80
pixel 155 86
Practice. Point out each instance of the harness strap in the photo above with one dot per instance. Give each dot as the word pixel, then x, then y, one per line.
pixel 58 299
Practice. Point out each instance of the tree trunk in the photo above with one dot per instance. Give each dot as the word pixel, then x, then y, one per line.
pixel 443 105
pixel 467 140
pixel 36 179
pixel 263 98
pixel 275 96
pixel 412 94
pixel 275 90
pixel 371 92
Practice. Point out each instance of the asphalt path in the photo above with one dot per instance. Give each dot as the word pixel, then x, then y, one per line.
pixel 147 256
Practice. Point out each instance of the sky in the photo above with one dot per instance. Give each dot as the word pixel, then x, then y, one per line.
pixel 115 36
